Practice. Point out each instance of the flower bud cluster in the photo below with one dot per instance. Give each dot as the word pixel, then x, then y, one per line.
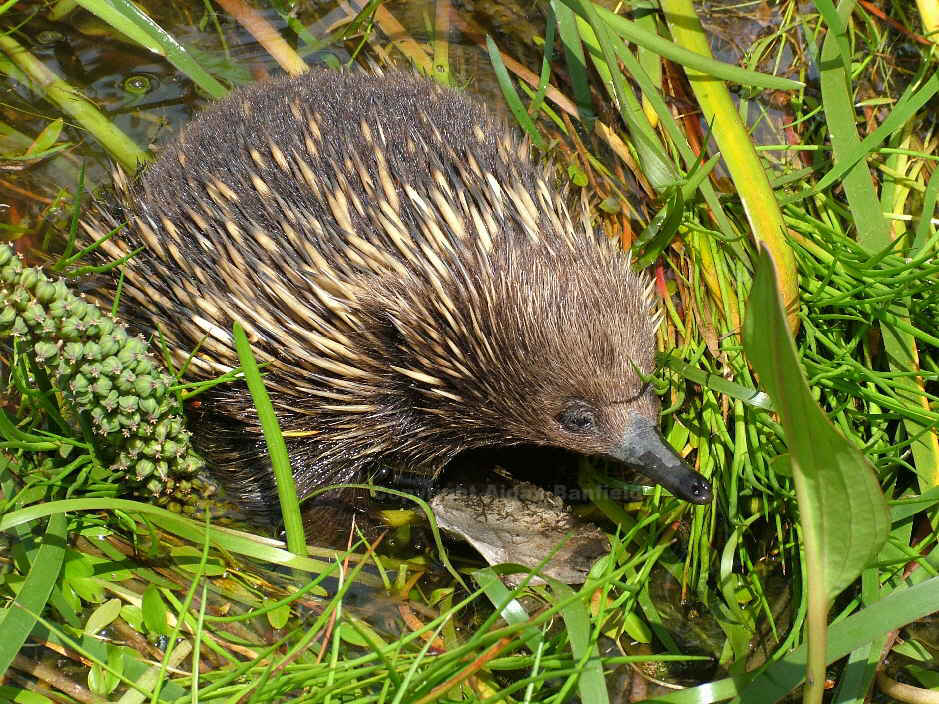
pixel 105 372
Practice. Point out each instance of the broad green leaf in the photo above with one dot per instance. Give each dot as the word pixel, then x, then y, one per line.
pixel 104 680
pixel 133 615
pixel 278 617
pixel 842 510
pixel 22 696
pixel 46 139
pixel 190 559
pixel 102 617
pixel 357 632
pixel 636 628
pixel 154 611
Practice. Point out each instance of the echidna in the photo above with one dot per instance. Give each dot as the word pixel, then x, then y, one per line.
pixel 409 274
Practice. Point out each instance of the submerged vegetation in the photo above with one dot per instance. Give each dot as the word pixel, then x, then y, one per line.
pixel 784 195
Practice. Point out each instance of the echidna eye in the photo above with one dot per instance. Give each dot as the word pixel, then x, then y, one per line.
pixel 576 419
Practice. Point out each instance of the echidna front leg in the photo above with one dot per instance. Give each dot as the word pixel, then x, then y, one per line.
pixel 237 455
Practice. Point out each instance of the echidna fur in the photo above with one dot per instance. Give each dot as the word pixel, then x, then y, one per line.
pixel 411 277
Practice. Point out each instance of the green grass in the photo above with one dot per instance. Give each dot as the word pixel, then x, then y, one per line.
pixel 834 171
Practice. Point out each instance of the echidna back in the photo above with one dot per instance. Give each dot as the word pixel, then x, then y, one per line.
pixel 319 179
pixel 309 140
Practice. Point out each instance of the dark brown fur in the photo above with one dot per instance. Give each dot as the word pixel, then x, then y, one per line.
pixel 411 277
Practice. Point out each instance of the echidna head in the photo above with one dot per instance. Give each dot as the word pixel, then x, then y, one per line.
pixel 530 345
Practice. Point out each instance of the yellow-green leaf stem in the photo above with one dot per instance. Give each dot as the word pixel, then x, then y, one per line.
pixel 756 195
pixel 45 83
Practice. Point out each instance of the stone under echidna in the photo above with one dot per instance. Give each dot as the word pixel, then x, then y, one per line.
pixel 411 277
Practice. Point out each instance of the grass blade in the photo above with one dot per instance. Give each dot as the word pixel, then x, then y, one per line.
pixel 511 95
pixel 18 620
pixel 133 22
pixel 591 685
pixel 632 32
pixel 603 46
pixel 576 62
pixel 874 235
pixel 276 447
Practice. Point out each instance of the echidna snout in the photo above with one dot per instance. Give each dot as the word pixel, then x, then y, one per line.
pixel 412 279
pixel 641 446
